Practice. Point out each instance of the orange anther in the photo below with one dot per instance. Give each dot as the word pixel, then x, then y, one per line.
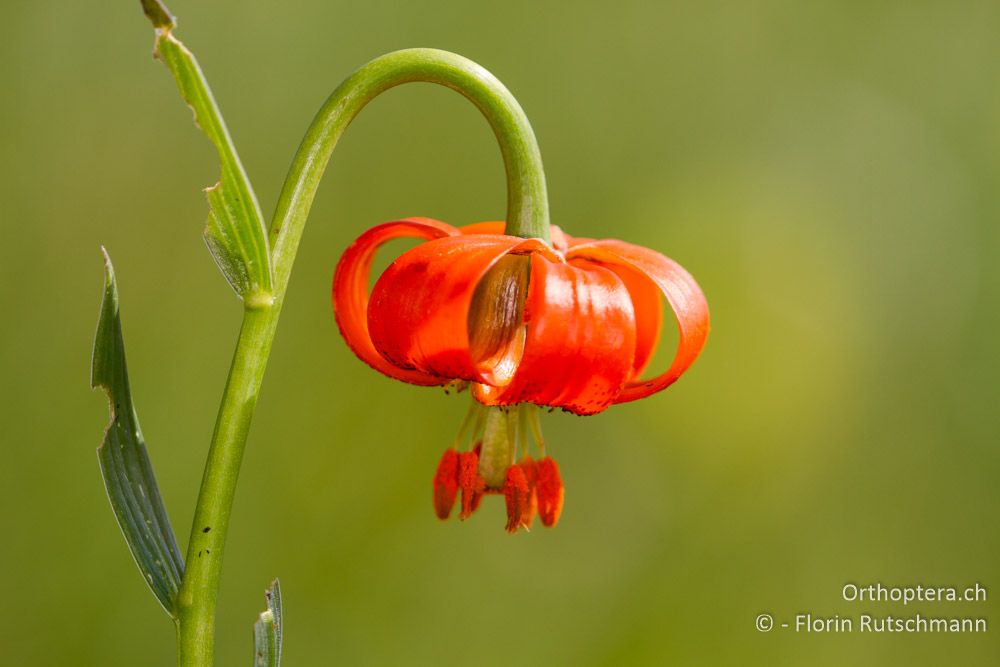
pixel 517 493
pixel 446 484
pixel 530 468
pixel 549 489
pixel 471 482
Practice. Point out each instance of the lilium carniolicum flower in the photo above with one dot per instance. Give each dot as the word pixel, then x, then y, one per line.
pixel 519 312
pixel 524 324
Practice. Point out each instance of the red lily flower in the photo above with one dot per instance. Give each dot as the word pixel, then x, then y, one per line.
pixel 571 326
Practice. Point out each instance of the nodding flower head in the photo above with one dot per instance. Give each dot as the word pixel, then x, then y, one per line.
pixel 523 324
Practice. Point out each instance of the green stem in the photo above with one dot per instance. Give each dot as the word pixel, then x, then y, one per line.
pixel 527 199
pixel 196 600
pixel 527 216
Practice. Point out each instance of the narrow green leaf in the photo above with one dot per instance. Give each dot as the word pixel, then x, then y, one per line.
pixel 128 474
pixel 267 630
pixel 235 233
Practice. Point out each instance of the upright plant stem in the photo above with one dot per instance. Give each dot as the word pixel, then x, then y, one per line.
pixel 527 216
pixel 196 600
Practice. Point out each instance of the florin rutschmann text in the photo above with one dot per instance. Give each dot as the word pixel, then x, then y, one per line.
pixel 910 621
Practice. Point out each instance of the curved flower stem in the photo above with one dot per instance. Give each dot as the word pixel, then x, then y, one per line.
pixel 527 216
pixel 527 199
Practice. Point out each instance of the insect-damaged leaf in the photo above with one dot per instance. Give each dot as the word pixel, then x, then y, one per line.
pixel 235 232
pixel 128 474
pixel 267 630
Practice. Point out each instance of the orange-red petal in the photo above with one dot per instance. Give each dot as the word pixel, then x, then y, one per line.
pixel 350 291
pixel 580 341
pixel 560 239
pixel 646 301
pixel 419 309
pixel 678 287
pixel 493 227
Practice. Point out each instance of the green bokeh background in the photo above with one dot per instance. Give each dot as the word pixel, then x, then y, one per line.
pixel 830 172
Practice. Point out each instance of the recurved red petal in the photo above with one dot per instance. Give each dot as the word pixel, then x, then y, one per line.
pixel 580 341
pixel 350 291
pixel 560 239
pixel 646 301
pixel 419 310
pixel 678 287
pixel 495 227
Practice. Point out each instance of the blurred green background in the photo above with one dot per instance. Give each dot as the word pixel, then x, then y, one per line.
pixel 829 171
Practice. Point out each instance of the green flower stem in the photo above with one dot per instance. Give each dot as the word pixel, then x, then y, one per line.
pixel 196 600
pixel 527 199
pixel 527 216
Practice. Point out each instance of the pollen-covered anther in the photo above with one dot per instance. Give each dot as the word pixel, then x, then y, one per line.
pixel 471 483
pixel 446 484
pixel 549 490
pixel 530 468
pixel 518 494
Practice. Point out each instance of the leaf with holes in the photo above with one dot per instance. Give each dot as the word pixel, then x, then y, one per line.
pixel 235 233
pixel 267 630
